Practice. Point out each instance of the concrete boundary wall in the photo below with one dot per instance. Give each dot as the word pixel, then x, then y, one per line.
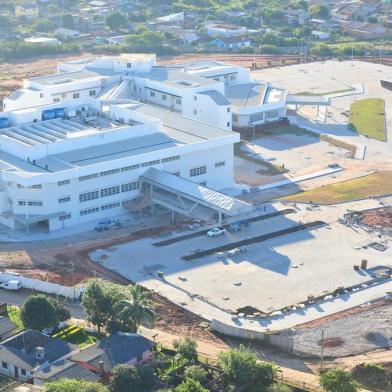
pixel 280 340
pixel 45 287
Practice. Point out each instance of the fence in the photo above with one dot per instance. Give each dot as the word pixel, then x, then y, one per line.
pixel 44 287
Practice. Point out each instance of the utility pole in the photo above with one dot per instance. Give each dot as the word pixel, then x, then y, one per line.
pixel 380 56
pixel 322 351
pixel 352 53
pixel 301 50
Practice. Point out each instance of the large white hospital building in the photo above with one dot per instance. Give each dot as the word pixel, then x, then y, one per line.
pixel 107 135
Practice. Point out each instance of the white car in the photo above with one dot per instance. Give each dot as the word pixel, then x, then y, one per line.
pixel 11 285
pixel 216 231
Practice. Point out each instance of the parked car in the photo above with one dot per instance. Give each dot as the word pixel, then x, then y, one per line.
pixel 216 231
pixel 105 224
pixel 234 227
pixel 11 285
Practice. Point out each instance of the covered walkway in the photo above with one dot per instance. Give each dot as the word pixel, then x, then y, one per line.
pixel 188 198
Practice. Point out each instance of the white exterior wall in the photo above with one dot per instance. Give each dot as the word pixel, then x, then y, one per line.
pixel 191 156
pixel 242 118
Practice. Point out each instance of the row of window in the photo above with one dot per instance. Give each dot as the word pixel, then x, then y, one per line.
pixel 4 365
pixel 64 199
pixel 219 164
pixel 123 169
pixel 30 203
pixel 164 97
pixel 256 117
pixel 104 207
pixel 114 190
pixel 65 217
pixel 197 171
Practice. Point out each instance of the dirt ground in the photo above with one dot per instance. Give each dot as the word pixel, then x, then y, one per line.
pixel 70 265
pixel 379 218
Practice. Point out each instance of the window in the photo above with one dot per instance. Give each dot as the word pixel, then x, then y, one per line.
pixel 272 114
pixel 111 205
pixel 232 77
pixel 177 173
pixel 65 216
pixel 63 182
pixel 129 65
pixel 64 199
pixel 36 186
pixel 22 372
pixel 194 111
pixel 256 117
pixel 109 172
pixel 235 117
pixel 150 163
pixel 130 186
pixel 228 124
pixel 203 183
pixel 164 97
pixel 88 177
pixel 228 110
pixel 75 95
pixel 19 186
pixel 30 203
pixel 63 95
pixel 56 99
pixel 195 98
pixel 178 101
pixel 152 93
pixel 88 196
pixel 168 159
pixel 197 171
pixel 41 95
pixel 92 93
pixel 4 365
pixel 113 190
pixel 132 167
pixel 89 211
pixel 219 164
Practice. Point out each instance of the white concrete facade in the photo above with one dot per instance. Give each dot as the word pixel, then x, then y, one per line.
pixel 196 90
pixel 66 171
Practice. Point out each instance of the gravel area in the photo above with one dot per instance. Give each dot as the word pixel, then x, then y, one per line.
pixel 354 334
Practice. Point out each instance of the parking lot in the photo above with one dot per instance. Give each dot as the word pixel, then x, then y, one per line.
pixel 268 275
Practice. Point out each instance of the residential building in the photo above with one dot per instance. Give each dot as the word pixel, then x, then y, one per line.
pixel 96 361
pixel 43 41
pixel 27 10
pixel 221 29
pixel 28 352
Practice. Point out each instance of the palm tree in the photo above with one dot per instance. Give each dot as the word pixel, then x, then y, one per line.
pixel 134 310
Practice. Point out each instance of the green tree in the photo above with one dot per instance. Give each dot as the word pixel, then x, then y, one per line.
pixel 240 367
pixel 62 312
pixel 135 309
pixel 97 303
pixel 190 385
pixel 116 21
pixel 5 24
pixel 338 380
pixel 67 21
pixel 66 385
pixel 318 11
pixel 39 313
pixel 186 349
pixel 195 373
pixel 43 25
pixel 127 378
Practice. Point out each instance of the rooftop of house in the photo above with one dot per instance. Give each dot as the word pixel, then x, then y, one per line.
pixel 118 348
pixel 21 349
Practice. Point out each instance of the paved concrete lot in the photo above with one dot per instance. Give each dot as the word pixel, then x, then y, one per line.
pixel 333 77
pixel 299 154
pixel 269 276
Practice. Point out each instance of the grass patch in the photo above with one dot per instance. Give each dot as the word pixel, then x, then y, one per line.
pixel 311 94
pixel 76 335
pixel 14 315
pixel 367 117
pixel 373 185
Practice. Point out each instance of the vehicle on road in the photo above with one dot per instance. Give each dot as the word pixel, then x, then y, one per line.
pixel 216 231
pixel 105 224
pixel 11 285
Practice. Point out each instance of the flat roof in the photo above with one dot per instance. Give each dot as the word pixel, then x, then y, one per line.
pixel 175 77
pixel 246 94
pixel 66 77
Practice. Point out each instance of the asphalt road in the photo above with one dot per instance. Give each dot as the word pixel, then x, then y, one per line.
pixel 20 296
